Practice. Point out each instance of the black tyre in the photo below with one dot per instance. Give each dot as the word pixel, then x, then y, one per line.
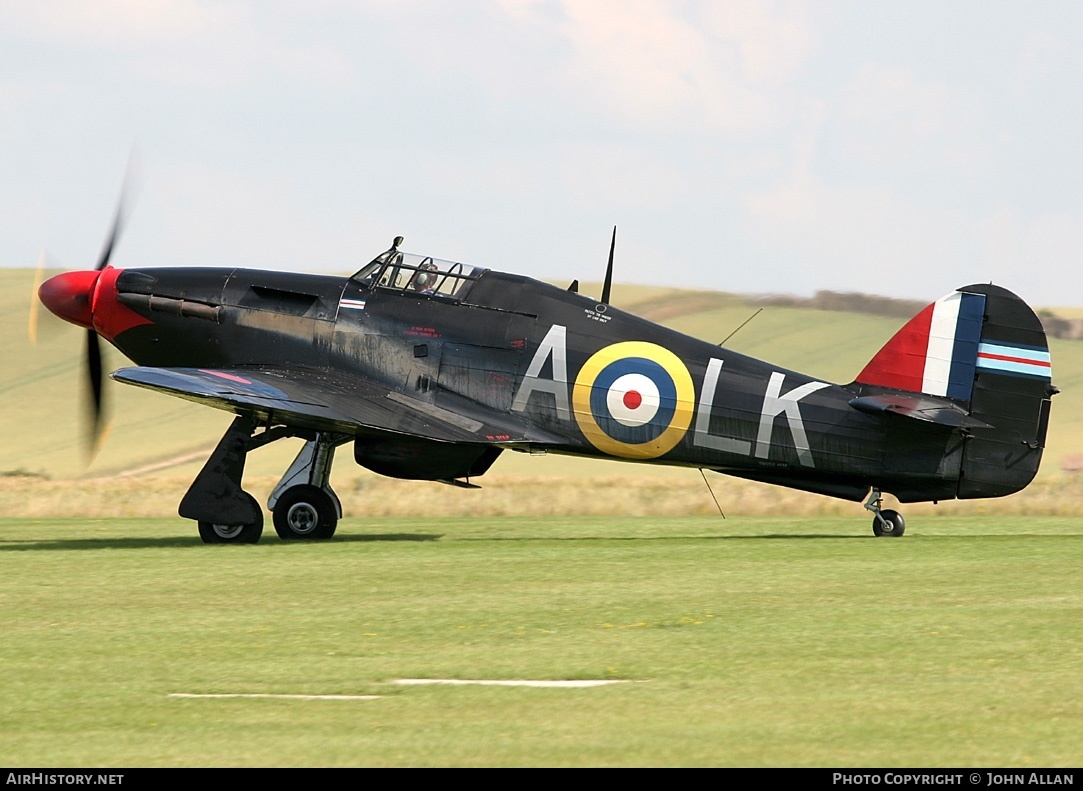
pixel 214 533
pixel 304 513
pixel 896 525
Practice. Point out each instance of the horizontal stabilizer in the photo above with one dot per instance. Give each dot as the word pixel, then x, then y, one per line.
pixel 930 410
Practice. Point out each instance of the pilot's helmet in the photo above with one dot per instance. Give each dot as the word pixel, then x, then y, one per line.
pixel 425 276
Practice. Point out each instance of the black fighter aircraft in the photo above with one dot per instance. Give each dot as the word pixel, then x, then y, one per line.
pixel 431 369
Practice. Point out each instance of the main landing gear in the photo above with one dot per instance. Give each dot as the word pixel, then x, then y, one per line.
pixel 303 504
pixel 885 522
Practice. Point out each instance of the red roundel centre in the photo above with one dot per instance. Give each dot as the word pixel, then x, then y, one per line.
pixel 632 399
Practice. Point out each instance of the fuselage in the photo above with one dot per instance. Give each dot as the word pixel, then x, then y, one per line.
pixel 601 381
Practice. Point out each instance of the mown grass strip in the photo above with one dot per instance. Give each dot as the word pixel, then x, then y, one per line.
pixel 762 642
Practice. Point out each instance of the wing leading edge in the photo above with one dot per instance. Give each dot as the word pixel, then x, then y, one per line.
pixel 326 401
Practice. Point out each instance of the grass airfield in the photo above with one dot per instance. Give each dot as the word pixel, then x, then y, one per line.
pixel 783 635
pixel 754 641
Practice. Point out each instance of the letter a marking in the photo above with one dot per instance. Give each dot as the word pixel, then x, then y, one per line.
pixel 553 345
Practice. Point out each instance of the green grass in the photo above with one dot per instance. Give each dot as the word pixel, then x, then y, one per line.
pixel 744 642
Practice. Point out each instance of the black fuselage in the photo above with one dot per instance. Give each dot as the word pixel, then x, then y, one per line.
pixel 560 361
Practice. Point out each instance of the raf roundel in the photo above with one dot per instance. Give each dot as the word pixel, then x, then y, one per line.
pixel 633 400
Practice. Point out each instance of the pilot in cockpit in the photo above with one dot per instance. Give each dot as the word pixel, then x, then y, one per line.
pixel 425 280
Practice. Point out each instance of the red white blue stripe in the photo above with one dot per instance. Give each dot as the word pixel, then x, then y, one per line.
pixel 1014 360
pixel 352 304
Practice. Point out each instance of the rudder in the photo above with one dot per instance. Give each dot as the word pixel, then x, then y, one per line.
pixel 1012 391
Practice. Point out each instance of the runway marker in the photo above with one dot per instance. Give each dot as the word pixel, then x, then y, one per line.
pixel 512 683
pixel 269 695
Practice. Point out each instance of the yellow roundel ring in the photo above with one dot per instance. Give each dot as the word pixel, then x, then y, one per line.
pixel 634 400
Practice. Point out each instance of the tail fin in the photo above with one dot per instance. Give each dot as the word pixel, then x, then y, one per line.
pixel 985 349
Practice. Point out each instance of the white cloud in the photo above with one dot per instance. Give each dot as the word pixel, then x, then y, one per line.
pixel 181 42
pixel 856 238
pixel 886 115
pixel 618 178
pixel 700 68
pixel 865 238
pixel 120 24
pixel 774 39
pixel 198 216
pixel 1047 248
pixel 1042 55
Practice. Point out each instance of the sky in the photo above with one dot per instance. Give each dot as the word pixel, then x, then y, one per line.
pixel 902 148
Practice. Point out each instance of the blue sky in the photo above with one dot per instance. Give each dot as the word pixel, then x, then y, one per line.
pixel 900 148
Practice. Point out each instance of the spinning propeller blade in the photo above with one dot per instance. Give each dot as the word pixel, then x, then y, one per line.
pixel 94 377
pixel 94 383
pixel 73 296
pixel 114 231
pixel 32 320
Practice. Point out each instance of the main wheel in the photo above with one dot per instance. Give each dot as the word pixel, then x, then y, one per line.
pixel 214 533
pixel 896 525
pixel 305 512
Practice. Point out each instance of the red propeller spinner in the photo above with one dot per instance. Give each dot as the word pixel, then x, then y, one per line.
pixel 70 296
pixel 88 299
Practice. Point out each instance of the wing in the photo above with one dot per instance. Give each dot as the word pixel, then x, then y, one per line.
pixel 330 401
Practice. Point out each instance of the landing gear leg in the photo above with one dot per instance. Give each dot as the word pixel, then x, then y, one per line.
pixel 226 513
pixel 885 522
pixel 303 503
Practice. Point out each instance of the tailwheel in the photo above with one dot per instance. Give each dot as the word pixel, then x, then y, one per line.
pixel 215 533
pixel 885 521
pixel 888 523
pixel 305 512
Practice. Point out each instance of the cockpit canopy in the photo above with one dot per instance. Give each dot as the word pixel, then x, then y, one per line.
pixel 416 274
